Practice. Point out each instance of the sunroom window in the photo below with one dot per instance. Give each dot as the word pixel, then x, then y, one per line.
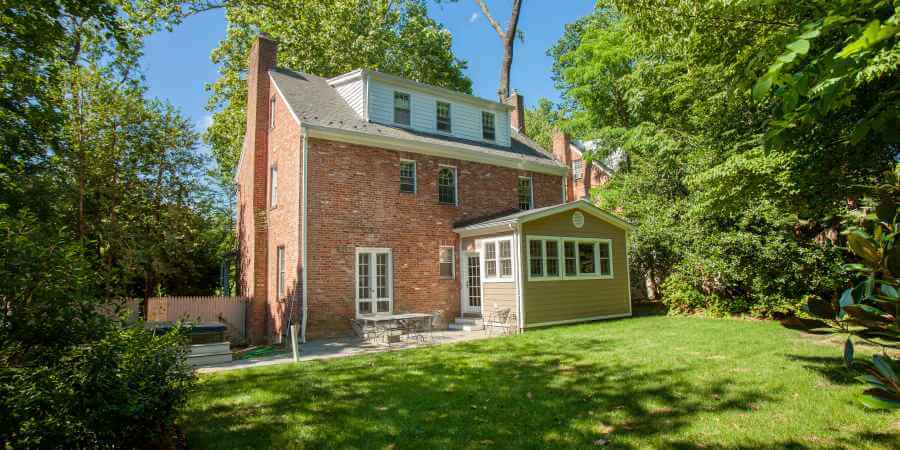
pixel 580 258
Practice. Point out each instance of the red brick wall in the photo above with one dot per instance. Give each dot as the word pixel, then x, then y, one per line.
pixel 355 201
pixel 285 153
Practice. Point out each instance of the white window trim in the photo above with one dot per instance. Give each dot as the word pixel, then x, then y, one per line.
pixel 389 278
pixel 452 262
pixel 272 103
pixel 561 258
pixel 394 109
pixel 498 278
pixel 455 184
pixel 494 115
pixel 273 186
pixel 280 272
pixel 415 175
pixel 450 118
pixel 530 192
pixel 577 173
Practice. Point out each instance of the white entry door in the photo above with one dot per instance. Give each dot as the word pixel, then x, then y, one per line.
pixel 374 285
pixel 472 288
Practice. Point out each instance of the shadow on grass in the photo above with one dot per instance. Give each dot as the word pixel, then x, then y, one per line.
pixel 507 393
pixel 830 367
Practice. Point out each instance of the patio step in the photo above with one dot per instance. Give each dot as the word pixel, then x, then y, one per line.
pixel 465 324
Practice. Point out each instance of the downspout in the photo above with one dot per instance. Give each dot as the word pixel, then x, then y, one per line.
pixel 520 282
pixel 305 232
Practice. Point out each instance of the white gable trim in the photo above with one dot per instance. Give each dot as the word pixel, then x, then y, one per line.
pixel 582 205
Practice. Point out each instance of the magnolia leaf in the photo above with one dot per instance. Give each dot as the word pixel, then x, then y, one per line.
pixel 787 57
pixel 888 291
pixel 883 365
pixel 810 34
pixel 762 87
pixel 800 46
pixel 871 379
pixel 848 353
pixel 846 298
pixel 863 247
pixel 876 400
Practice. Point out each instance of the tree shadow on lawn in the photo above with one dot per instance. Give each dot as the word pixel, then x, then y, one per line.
pixel 508 393
pixel 830 367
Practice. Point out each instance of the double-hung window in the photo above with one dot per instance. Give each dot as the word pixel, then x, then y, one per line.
pixel 280 285
pixel 401 108
pixel 498 260
pixel 488 131
pixel 447 185
pixel 408 176
pixel 553 258
pixel 525 193
pixel 446 261
pixel 577 169
pixel 273 199
pixel 443 117
pixel 272 112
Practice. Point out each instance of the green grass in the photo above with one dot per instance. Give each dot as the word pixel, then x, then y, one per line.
pixel 653 382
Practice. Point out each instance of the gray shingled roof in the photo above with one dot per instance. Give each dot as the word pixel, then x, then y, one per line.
pixel 317 103
pixel 486 222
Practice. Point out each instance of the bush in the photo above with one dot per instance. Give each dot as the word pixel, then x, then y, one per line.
pixel 71 377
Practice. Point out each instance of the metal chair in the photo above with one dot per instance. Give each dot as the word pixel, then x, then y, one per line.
pixel 497 318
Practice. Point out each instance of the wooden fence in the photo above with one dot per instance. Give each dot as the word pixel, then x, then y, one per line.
pixel 230 311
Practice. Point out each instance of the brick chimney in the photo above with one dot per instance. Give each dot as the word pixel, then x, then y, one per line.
pixel 563 153
pixel 517 115
pixel 262 58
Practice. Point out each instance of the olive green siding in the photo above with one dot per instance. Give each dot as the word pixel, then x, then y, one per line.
pixel 572 299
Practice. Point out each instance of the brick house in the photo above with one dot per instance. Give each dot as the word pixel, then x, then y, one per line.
pixel 367 193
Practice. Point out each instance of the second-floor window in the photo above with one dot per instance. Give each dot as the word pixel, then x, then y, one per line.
pixel 401 108
pixel 408 176
pixel 443 117
pixel 487 126
pixel 272 113
pixel 577 169
pixel 525 198
pixel 447 185
pixel 273 200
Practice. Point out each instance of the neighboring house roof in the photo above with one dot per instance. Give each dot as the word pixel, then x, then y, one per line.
pixel 316 104
pixel 611 164
pixel 491 224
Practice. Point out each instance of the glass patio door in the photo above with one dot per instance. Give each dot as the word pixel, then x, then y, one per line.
pixel 374 289
pixel 472 302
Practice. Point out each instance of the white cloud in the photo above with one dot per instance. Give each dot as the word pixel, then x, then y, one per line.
pixel 205 122
pixel 473 17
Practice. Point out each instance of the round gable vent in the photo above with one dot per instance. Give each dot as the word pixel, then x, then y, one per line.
pixel 578 219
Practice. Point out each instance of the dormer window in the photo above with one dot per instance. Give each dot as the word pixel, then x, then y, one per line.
pixel 401 108
pixel 487 126
pixel 443 117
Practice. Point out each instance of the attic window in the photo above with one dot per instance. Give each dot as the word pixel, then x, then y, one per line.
pixel 443 117
pixel 487 126
pixel 401 108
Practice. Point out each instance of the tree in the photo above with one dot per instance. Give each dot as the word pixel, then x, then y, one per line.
pixel 543 120
pixel 325 38
pixel 507 39
pixel 738 220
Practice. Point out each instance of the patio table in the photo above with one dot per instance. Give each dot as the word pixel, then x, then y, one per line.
pixel 390 321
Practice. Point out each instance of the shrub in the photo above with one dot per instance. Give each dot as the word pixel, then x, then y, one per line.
pixel 71 377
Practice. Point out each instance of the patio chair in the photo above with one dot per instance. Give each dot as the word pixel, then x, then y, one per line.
pixel 415 329
pixel 366 331
pixel 498 318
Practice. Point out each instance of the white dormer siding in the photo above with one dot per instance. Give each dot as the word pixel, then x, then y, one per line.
pixel 351 87
pixel 465 117
pixel 371 95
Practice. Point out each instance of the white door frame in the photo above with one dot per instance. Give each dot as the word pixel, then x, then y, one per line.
pixel 465 307
pixel 373 253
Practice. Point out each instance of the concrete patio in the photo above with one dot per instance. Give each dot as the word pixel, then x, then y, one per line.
pixel 348 346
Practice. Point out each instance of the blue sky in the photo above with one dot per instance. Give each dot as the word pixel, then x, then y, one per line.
pixel 177 65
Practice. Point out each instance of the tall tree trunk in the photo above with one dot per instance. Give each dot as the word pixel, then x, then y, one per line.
pixel 508 38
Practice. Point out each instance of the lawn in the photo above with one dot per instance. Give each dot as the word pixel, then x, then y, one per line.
pixel 652 382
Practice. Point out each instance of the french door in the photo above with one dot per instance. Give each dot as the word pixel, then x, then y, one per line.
pixel 374 281
pixel 472 300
